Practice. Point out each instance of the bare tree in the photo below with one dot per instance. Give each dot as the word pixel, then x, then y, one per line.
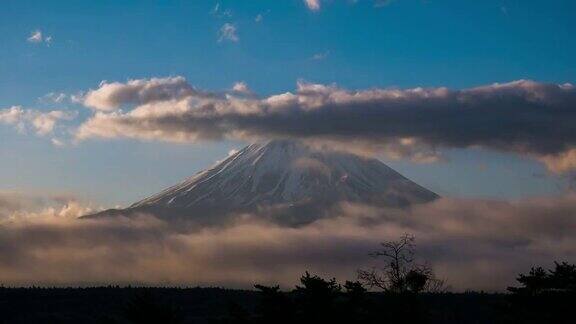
pixel 400 273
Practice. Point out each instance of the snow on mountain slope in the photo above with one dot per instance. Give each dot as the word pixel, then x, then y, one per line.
pixel 282 181
pixel 288 172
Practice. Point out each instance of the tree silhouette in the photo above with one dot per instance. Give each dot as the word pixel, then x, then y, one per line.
pixel 275 306
pixel 561 279
pixel 316 298
pixel 400 273
pixel 545 296
pixel 355 289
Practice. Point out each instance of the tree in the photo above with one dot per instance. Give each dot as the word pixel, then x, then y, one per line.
pixel 316 298
pixel 355 289
pixel 400 273
pixel 316 290
pixel 561 279
pixel 274 305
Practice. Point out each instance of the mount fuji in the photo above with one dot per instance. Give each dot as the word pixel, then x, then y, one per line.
pixel 301 181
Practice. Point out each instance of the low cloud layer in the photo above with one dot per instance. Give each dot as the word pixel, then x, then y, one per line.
pixel 472 243
pixel 522 117
pixel 18 207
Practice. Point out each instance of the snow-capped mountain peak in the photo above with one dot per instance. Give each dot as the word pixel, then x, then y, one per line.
pixel 283 171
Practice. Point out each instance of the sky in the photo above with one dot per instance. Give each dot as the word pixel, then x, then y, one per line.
pixel 52 53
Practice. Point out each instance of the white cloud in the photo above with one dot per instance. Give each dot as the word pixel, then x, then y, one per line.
pixel 35 37
pixel 57 142
pixel 38 37
pixel 54 97
pixel 260 17
pixel 241 87
pixel 228 32
pixel 313 5
pixel 219 12
pixel 110 96
pixel 12 115
pixel 15 206
pixel 43 123
pixel 320 56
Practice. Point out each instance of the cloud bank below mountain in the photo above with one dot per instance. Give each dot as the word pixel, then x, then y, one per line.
pixel 474 244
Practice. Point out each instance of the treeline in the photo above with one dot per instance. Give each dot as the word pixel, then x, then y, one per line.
pixel 398 290
pixel 313 300
pixel 544 296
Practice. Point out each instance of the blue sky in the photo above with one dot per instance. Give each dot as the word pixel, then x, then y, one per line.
pixel 355 44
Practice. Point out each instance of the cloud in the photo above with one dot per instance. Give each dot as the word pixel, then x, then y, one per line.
pixel 43 123
pixel 58 142
pixel 522 117
pixel 313 5
pixel 219 12
pixel 241 87
pixel 12 115
pixel 382 3
pixel 15 206
pixel 320 56
pixel 110 96
pixel 474 244
pixel 37 37
pixel 260 17
pixel 228 32
pixel 54 97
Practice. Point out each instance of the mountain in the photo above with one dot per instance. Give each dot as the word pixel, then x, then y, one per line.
pixel 282 175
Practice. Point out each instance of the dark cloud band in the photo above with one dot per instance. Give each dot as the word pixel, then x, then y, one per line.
pixel 524 117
